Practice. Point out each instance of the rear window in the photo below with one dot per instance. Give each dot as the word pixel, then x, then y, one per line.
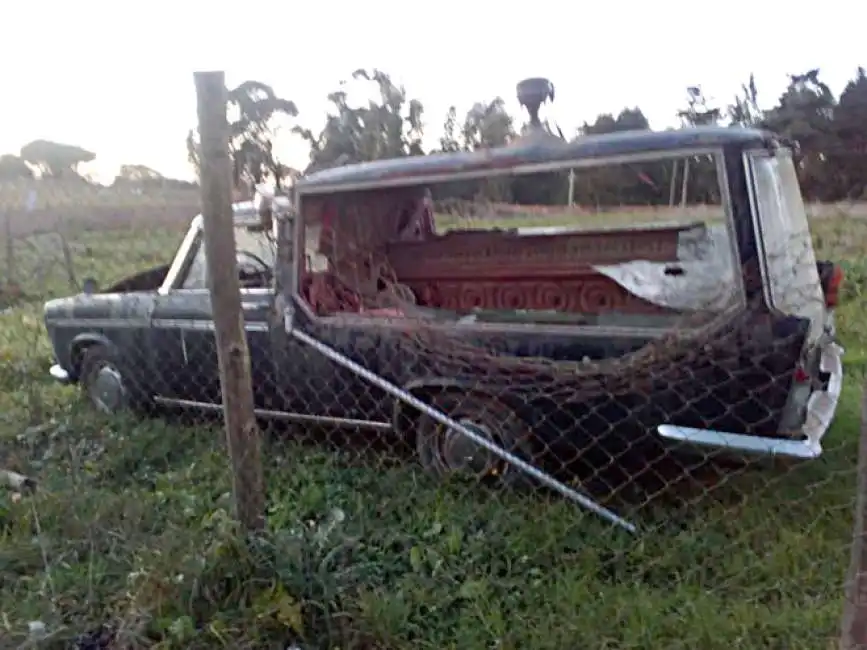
pixel 790 263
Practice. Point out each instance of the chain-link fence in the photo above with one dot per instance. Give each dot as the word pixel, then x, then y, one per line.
pixel 462 424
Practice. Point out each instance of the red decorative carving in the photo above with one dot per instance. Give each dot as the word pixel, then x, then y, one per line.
pixel 590 295
pixel 552 295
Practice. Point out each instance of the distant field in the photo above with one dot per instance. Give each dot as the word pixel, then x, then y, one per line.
pixel 856 210
pixel 46 206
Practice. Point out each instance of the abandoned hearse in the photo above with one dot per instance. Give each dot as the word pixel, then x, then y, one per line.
pixel 691 337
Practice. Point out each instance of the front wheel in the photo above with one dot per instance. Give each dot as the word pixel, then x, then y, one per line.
pixel 103 383
pixel 445 451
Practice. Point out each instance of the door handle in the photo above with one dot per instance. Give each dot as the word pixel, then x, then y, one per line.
pixel 184 348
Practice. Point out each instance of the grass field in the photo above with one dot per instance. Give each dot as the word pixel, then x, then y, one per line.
pixel 131 527
pixel 40 206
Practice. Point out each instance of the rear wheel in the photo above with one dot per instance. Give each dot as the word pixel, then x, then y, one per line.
pixel 444 451
pixel 104 385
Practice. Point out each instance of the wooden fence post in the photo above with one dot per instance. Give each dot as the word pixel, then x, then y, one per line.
pixel 242 432
pixel 854 632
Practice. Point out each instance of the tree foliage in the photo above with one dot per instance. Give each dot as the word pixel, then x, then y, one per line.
pixel 142 177
pixel 848 160
pixel 487 125
pixel 830 135
pixel 831 138
pixel 745 110
pixel 387 127
pixel 138 174
pixel 54 159
pixel 253 106
pixel 698 111
pixel 13 167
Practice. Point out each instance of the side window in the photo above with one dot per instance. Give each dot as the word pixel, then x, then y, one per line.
pixel 790 261
pixel 197 274
pixel 256 244
pixel 256 255
pixel 315 259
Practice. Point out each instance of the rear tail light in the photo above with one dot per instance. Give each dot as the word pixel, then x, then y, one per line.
pixel 831 276
pixel 832 293
pixel 801 375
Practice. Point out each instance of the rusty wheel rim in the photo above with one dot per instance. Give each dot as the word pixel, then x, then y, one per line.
pixel 459 454
pixel 106 390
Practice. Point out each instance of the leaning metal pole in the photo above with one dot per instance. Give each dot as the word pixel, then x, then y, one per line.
pixel 398 393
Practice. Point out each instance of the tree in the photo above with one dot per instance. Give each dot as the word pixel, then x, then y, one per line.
pixel 847 157
pixel 699 180
pixel 617 184
pixel 449 142
pixel 252 108
pixel 13 167
pixel 138 174
pixel 143 177
pixel 805 114
pixel 389 128
pixel 487 125
pixel 629 119
pixel 54 159
pixel 255 106
pixel 698 111
pixel 746 111
pixel 831 138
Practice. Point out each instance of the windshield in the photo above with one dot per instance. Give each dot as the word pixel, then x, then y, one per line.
pixel 790 263
pixel 255 245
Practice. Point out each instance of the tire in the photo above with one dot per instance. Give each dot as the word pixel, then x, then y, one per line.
pixel 445 453
pixel 104 385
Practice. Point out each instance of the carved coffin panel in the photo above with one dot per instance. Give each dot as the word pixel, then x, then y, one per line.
pixel 505 254
pixel 591 294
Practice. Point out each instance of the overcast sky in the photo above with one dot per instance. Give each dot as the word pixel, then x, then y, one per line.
pixel 116 77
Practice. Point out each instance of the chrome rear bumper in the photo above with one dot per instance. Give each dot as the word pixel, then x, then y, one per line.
pixel 821 408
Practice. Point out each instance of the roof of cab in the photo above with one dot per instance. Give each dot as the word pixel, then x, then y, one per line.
pixel 526 155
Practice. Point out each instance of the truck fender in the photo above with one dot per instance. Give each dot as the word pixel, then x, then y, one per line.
pixel 80 343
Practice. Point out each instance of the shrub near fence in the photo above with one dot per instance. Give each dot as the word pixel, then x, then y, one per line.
pixel 129 537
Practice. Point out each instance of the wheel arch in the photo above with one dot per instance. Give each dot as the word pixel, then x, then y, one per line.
pixel 80 344
pixel 405 417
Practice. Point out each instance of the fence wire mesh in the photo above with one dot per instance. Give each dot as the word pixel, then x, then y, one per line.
pixel 562 336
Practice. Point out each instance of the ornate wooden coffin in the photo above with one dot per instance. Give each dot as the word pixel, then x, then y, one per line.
pixel 508 270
